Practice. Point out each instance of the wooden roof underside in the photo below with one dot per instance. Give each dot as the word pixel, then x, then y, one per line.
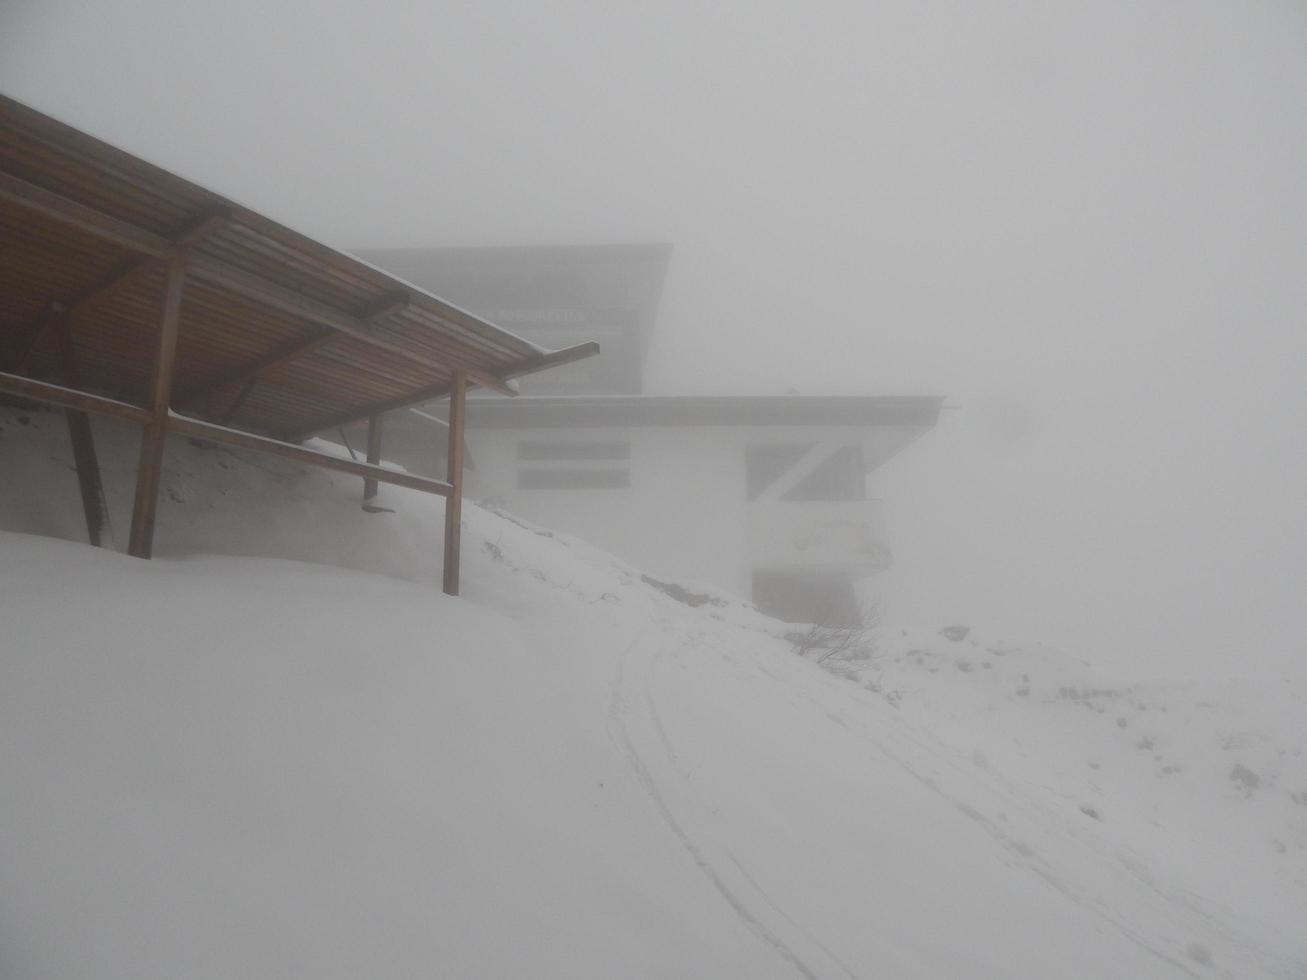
pixel 279 334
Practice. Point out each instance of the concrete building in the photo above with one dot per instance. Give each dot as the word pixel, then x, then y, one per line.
pixel 764 496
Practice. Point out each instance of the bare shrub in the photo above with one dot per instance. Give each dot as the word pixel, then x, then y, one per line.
pixel 825 644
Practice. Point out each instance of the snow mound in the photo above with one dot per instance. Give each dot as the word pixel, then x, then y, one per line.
pixel 279 751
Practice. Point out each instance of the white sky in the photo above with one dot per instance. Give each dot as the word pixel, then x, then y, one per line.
pixel 1085 223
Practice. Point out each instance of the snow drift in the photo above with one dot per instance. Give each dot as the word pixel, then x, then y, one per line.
pixel 228 763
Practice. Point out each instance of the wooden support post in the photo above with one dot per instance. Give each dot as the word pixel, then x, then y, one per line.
pixel 88 476
pixel 437 391
pixel 28 345
pixel 79 433
pixel 374 456
pixel 148 472
pixel 237 401
pixel 454 476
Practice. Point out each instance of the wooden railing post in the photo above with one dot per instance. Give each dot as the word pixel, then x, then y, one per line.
pixel 454 476
pixel 148 473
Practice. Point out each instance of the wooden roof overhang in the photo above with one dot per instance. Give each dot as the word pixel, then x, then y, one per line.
pixel 128 291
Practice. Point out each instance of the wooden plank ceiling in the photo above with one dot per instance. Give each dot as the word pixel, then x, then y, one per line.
pixel 279 334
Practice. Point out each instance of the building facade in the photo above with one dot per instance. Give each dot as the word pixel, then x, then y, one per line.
pixel 764 497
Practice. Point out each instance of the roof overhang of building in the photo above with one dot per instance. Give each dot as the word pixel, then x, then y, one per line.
pixel 916 411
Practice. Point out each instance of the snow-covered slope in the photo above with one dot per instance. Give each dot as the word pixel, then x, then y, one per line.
pixel 1170 765
pixel 224 765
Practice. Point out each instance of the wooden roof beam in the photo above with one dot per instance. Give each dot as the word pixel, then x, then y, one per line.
pixel 124 275
pixel 69 212
pixel 283 354
pixel 194 232
pixel 552 359
pixel 218 273
pixel 387 306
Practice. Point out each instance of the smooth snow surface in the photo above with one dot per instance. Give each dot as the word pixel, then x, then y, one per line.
pixel 224 763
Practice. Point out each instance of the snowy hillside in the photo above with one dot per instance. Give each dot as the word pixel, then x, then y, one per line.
pixel 225 763
pixel 1198 782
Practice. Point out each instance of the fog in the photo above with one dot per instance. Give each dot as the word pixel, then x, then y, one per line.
pixel 1086 224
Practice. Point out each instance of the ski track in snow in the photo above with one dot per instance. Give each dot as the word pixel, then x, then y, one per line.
pixel 717 868
pixel 633 713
